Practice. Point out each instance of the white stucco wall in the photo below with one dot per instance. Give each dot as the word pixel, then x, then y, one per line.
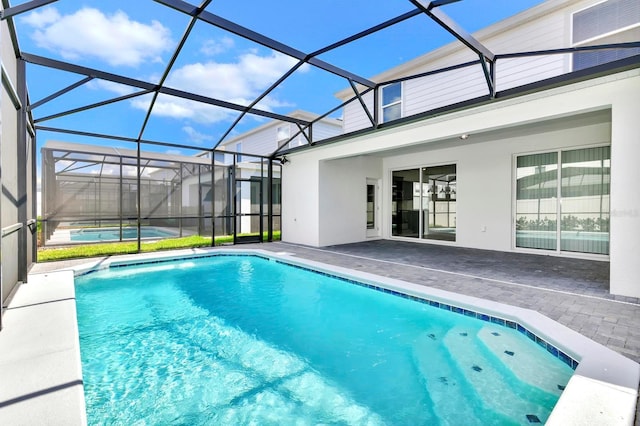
pixel 343 198
pixel 300 189
pixel 554 119
pixel 625 194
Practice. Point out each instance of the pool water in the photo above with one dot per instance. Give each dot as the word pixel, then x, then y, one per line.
pixel 111 234
pixel 244 340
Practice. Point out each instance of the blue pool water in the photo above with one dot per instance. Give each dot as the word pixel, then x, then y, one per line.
pixel 111 234
pixel 245 340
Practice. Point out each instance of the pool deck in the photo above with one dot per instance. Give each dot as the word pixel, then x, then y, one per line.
pixel 572 292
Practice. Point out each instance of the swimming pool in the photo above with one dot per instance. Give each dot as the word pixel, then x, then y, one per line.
pixel 113 234
pixel 230 340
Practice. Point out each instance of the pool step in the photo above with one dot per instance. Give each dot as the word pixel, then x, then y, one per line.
pixel 499 390
pixel 451 396
pixel 527 363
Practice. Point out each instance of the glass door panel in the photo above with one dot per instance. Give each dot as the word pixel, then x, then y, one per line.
pixel 405 203
pixel 584 223
pixel 439 192
pixel 536 201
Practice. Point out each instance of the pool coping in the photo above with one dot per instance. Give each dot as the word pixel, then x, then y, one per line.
pixel 603 389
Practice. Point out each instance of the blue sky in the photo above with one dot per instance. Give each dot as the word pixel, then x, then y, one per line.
pixel 136 38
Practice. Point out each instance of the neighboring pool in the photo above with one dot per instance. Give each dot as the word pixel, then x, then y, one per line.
pixel 111 234
pixel 231 339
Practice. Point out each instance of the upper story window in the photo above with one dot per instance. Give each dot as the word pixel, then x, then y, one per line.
pixel 282 133
pixel 238 150
pixel 391 102
pixel 612 21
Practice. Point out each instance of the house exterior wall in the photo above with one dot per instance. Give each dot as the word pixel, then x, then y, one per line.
pixel 301 196
pixel 546 26
pixel 625 195
pixel 354 117
pixel 553 119
pixel 264 140
pixel 342 199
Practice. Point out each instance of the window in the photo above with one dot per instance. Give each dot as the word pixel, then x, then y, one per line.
pixel 612 21
pixel 572 185
pixel 283 133
pixel 238 151
pixel 424 203
pixel 391 102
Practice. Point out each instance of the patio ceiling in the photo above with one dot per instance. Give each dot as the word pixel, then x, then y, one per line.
pixel 203 17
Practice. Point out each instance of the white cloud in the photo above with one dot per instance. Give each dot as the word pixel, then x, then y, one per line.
pixel 42 17
pixel 120 89
pixel 213 47
pixel 196 136
pixel 240 82
pixel 89 33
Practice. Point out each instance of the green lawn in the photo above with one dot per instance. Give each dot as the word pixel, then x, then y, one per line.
pixel 107 249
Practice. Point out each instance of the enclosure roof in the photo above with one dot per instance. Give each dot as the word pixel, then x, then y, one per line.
pixel 106 151
pixel 178 76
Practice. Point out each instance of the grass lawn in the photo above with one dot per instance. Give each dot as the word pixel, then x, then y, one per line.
pixel 107 249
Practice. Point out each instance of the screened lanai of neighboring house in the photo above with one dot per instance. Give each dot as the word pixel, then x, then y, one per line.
pixel 90 194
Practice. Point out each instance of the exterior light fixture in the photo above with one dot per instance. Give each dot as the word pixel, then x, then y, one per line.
pixel 464 136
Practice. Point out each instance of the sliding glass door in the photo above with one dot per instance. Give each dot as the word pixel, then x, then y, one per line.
pixel 423 203
pixel 581 200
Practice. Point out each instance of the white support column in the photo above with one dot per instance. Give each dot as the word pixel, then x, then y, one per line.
pixel 625 194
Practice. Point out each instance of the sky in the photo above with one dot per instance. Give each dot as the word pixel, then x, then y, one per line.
pixel 137 38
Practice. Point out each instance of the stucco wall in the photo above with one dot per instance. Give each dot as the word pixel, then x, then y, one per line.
pixel 342 202
pixel 300 189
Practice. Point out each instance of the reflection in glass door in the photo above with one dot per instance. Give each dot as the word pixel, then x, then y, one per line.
pixel 405 203
pixel 439 195
pixel 571 185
